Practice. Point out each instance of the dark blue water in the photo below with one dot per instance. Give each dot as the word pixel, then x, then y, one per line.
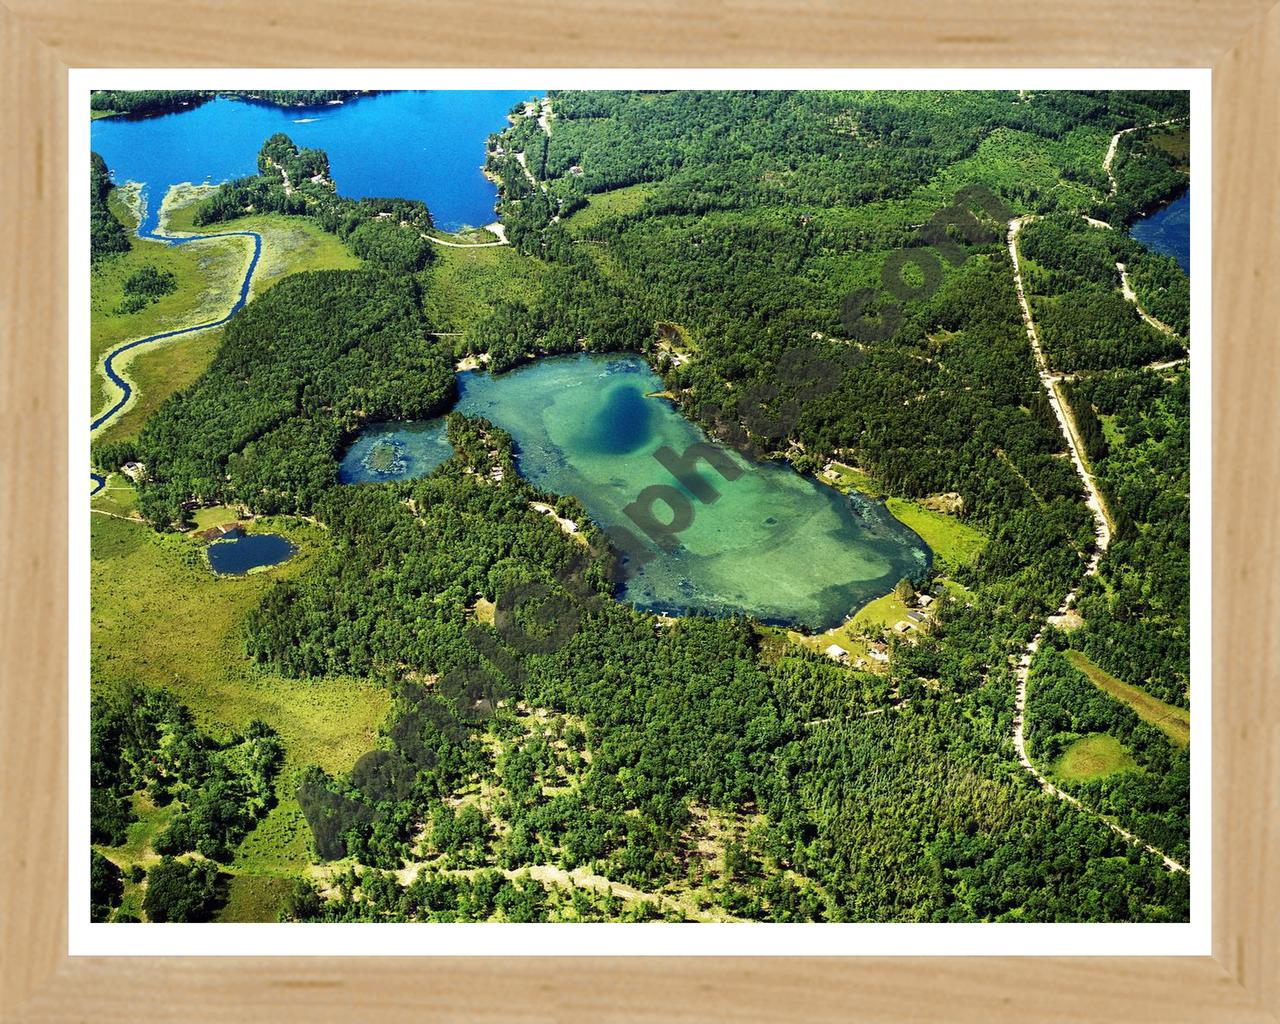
pixel 1168 230
pixel 623 424
pixel 407 145
pixel 239 552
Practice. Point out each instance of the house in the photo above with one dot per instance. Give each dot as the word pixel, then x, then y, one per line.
pixel 133 470
pixel 878 651
pixel 837 653
pixel 916 616
pixel 901 627
pixel 924 600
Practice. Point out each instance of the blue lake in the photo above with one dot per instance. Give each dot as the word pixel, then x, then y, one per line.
pixel 772 543
pixel 1168 230
pixel 407 145
pixel 238 552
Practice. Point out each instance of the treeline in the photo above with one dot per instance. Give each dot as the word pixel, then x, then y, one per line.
pixel 299 97
pixel 298 370
pixel 1163 288
pixel 154 102
pixel 147 102
pixel 387 233
pixel 440 896
pixel 1138 608
pixel 107 236
pixel 1147 171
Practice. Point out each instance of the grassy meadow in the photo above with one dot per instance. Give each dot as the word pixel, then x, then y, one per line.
pixel 1174 722
pixel 462 285
pixel 953 542
pixel 208 273
pixel 1093 757
pixel 208 276
pixel 603 206
pixel 160 617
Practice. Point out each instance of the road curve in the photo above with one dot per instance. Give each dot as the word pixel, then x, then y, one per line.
pixel 1115 142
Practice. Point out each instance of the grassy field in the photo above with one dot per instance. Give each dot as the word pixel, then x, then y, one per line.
pixel 847 477
pixel 290 245
pixel 872 618
pixel 208 278
pixel 1176 141
pixel 160 617
pixel 157 372
pixel 209 275
pixel 463 284
pixel 953 543
pixel 118 497
pixel 1093 757
pixel 604 205
pixel 1172 721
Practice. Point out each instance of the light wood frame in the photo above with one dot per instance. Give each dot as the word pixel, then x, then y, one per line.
pixel 41 39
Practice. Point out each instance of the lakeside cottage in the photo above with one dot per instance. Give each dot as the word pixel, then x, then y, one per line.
pixel 837 653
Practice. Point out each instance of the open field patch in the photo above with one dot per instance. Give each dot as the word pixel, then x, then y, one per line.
pixel 1093 757
pixel 1174 722
pixel 603 206
pixel 953 542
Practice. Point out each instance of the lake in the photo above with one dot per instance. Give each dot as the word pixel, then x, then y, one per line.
pixel 1168 230
pixel 407 145
pixel 238 552
pixel 775 544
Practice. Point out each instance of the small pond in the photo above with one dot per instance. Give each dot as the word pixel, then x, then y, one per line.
pixel 238 552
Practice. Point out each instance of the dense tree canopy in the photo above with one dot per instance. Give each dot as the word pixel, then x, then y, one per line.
pixel 106 234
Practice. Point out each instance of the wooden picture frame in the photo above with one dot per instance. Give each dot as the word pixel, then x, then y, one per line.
pixel 1239 39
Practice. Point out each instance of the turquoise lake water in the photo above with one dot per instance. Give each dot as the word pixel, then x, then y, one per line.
pixel 774 544
pixel 238 552
pixel 1168 230
pixel 407 145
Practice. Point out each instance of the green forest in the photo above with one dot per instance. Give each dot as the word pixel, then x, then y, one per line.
pixel 540 731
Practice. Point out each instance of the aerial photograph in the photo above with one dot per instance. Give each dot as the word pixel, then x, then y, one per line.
pixel 638 506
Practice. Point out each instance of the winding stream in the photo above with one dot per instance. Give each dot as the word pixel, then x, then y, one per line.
pixel 109 364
